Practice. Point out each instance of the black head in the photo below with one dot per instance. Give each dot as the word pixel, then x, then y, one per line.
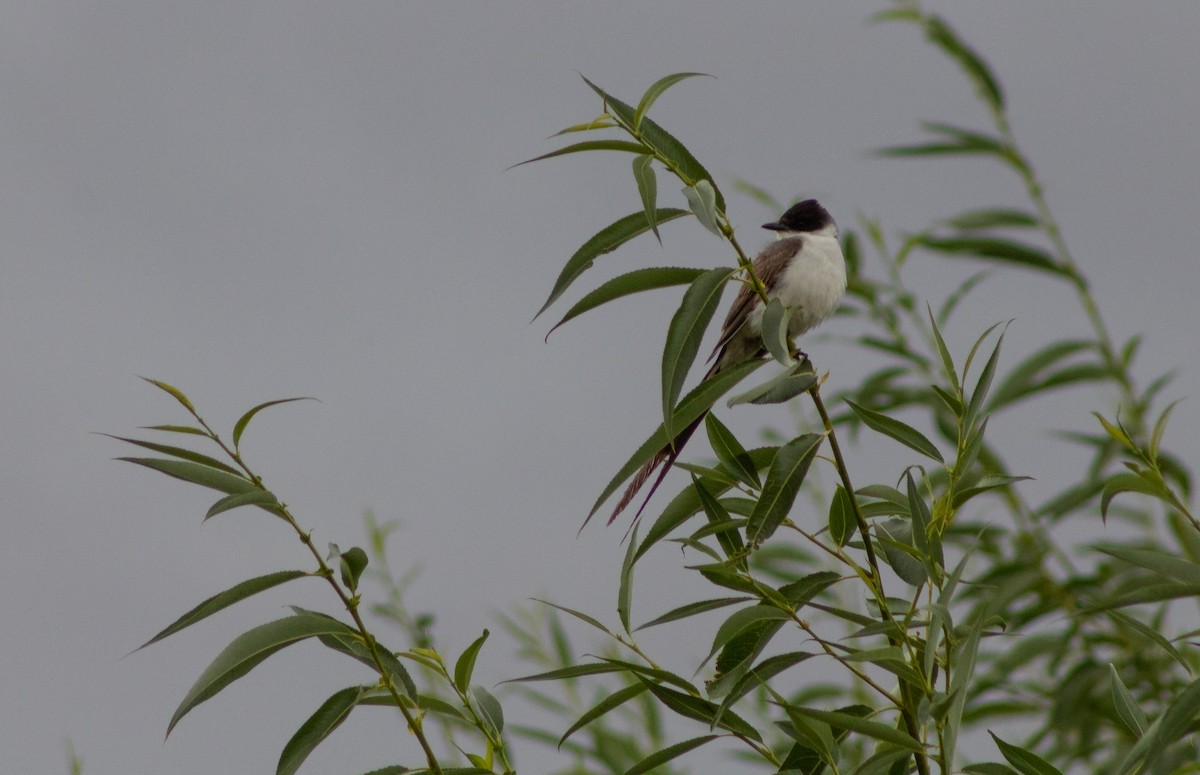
pixel 807 216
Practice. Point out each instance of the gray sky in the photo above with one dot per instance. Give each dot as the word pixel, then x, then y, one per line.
pixel 254 201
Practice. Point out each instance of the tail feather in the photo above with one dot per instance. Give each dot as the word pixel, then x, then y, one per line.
pixel 667 456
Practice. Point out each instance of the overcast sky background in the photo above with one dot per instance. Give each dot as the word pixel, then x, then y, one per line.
pixel 260 200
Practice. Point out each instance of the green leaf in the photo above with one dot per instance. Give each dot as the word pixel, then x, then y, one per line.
pixel 901 432
pixel 319 725
pixel 688 502
pixel 577 614
pixel 1162 563
pixel 841 517
pixel 179 452
pixel 1174 723
pixel 196 473
pixel 1026 762
pixel 975 405
pixel 625 590
pixel 671 151
pixel 693 405
pixel 702 200
pixel 1160 427
pixel 783 387
pixel 783 483
pixel 647 183
pixel 698 709
pixel 240 426
pixel 993 248
pixel 685 334
pixel 175 392
pixel 600 122
pixel 742 621
pixel 614 700
pixel 590 145
pixel 730 452
pixel 1024 380
pixel 1127 708
pixel 941 34
pixel 250 649
pixel 896 538
pixel 655 91
pixel 729 538
pixel 639 280
pixel 1130 483
pixel 263 498
pixel 659 758
pixel 490 711
pixel 223 600
pixel 775 332
pixel 187 429
pixel 885 732
pixel 994 218
pixel 692 609
pixel 944 353
pixel 465 665
pixel 604 241
pixel 352 563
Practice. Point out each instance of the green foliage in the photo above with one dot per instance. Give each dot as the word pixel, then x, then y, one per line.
pixel 868 635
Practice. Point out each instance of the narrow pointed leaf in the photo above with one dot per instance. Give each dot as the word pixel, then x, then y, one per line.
pixel 1127 708
pixel 174 392
pixel 1162 563
pixel 319 726
pixel 604 241
pixel 701 710
pixel 625 589
pixel 943 352
pixel 730 452
pixel 614 700
pixel 654 136
pixel 841 517
pixel 1130 483
pixel 223 600
pixel 998 218
pixel 249 650
pixel 179 452
pixel 692 609
pixel 685 334
pixel 901 432
pixel 941 34
pixel 264 498
pixel 1026 762
pixel 995 249
pixel 896 538
pixel 874 729
pixel 779 389
pixel 743 621
pixel 729 538
pixel 600 122
pixel 775 332
pixel 975 404
pixel 465 666
pixel 647 184
pixel 783 483
pixel 659 758
pixel 187 429
pixel 589 145
pixel 489 709
pixel 693 405
pixel 196 473
pixel 240 426
pixel 655 91
pixel 639 280
pixel 703 203
pixel 577 614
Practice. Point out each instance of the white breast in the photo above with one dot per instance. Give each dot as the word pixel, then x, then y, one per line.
pixel 811 286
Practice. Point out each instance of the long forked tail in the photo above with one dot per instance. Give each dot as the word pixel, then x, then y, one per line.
pixel 666 456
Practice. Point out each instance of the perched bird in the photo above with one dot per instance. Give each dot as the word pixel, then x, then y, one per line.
pixel 806 271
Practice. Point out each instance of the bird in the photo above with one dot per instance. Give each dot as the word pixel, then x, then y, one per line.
pixel 805 269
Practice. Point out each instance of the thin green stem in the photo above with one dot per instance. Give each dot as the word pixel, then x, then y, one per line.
pixel 349 601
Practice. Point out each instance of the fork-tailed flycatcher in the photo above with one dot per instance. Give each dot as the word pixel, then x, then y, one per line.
pixel 805 270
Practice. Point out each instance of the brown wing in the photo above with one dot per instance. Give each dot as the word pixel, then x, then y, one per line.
pixel 768 266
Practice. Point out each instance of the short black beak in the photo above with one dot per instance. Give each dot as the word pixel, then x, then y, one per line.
pixel 774 226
